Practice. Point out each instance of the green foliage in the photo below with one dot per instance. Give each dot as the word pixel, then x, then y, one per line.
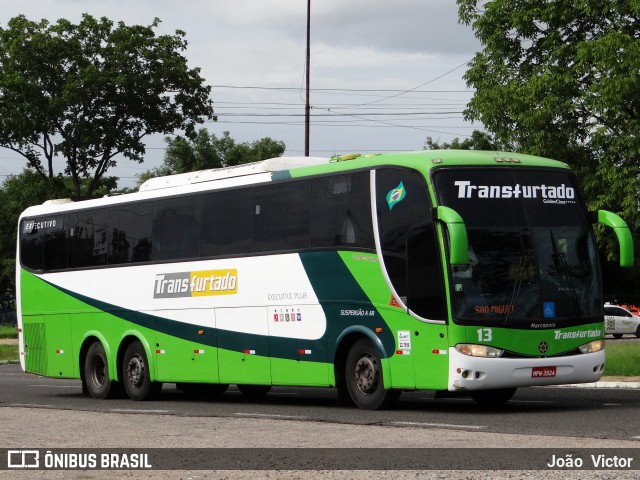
pixel 209 151
pixel 90 92
pixel 560 79
pixel 16 194
pixel 9 353
pixel 8 332
pixel 478 141
pixel 622 359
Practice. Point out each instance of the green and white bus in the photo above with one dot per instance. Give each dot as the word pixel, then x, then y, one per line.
pixel 454 271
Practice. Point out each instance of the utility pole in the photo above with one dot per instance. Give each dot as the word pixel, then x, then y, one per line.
pixel 307 108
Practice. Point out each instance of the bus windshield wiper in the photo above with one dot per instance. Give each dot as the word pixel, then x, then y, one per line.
pixel 523 265
pixel 562 267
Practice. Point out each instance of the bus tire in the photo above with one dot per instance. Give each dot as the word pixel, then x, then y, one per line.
pixel 638 331
pixel 492 398
pixel 363 373
pixel 617 335
pixel 254 391
pixel 135 374
pixel 96 372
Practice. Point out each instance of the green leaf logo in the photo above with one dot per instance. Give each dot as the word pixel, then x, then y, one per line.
pixel 396 195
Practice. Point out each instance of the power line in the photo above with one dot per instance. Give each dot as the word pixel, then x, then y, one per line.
pixel 381 90
pixel 419 86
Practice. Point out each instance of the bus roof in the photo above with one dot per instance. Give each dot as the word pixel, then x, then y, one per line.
pixel 289 167
pixel 263 166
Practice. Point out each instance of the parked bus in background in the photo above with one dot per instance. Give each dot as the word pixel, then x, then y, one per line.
pixel 455 271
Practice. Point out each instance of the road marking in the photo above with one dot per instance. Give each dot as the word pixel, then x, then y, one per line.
pixel 611 404
pixel 440 425
pixel 55 386
pixel 30 405
pixel 266 415
pixel 133 410
pixel 531 401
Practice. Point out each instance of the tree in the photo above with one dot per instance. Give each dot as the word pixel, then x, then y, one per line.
pixel 209 151
pixel 560 79
pixel 477 141
pixel 16 194
pixel 92 91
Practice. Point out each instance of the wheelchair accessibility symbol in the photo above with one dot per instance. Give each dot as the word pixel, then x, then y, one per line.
pixel 549 309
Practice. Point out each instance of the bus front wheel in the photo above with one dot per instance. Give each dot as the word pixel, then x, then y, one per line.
pixel 96 372
pixel 135 374
pixel 363 374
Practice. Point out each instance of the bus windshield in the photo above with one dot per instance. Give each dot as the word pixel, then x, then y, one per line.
pixel 533 262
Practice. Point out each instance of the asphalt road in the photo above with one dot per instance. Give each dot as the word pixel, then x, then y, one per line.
pixel 555 411
pixel 37 412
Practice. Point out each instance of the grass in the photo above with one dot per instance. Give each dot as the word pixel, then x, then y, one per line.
pixel 623 359
pixel 7 331
pixel 9 352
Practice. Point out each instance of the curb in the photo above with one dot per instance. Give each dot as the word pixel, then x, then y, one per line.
pixel 613 385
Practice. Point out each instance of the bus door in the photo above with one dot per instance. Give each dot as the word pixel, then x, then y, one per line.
pixel 412 262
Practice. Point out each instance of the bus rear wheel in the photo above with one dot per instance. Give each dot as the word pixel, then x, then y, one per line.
pixel 492 398
pixel 363 374
pixel 135 374
pixel 96 372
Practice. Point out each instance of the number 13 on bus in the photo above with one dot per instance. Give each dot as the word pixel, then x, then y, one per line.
pixel 454 271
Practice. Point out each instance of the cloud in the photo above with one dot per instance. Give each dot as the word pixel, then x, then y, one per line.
pixel 401 25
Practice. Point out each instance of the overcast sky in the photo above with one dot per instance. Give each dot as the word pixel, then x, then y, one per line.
pixel 384 75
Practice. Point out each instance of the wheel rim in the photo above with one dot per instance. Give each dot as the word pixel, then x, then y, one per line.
pixel 98 371
pixel 366 374
pixel 135 371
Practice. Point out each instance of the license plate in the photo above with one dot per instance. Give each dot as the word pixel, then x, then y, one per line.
pixel 543 372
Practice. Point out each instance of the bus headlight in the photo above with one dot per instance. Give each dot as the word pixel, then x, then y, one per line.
pixel 478 350
pixel 592 347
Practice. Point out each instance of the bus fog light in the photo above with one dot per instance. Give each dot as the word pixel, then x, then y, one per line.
pixel 592 347
pixel 478 350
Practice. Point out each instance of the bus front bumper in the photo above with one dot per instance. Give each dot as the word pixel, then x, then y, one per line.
pixel 476 373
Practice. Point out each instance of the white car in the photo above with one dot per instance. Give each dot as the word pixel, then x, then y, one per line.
pixel 619 320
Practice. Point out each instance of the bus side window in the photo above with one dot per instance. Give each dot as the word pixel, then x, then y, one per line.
pixel 87 238
pixel 340 212
pixel 130 233
pixel 56 244
pixel 176 228
pixel 31 245
pixel 281 216
pixel 226 223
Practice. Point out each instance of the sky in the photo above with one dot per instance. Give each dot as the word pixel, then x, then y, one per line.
pixel 384 75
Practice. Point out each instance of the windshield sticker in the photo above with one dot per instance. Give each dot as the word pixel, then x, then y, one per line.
pixel 549 309
pixel 560 194
pixel 396 195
